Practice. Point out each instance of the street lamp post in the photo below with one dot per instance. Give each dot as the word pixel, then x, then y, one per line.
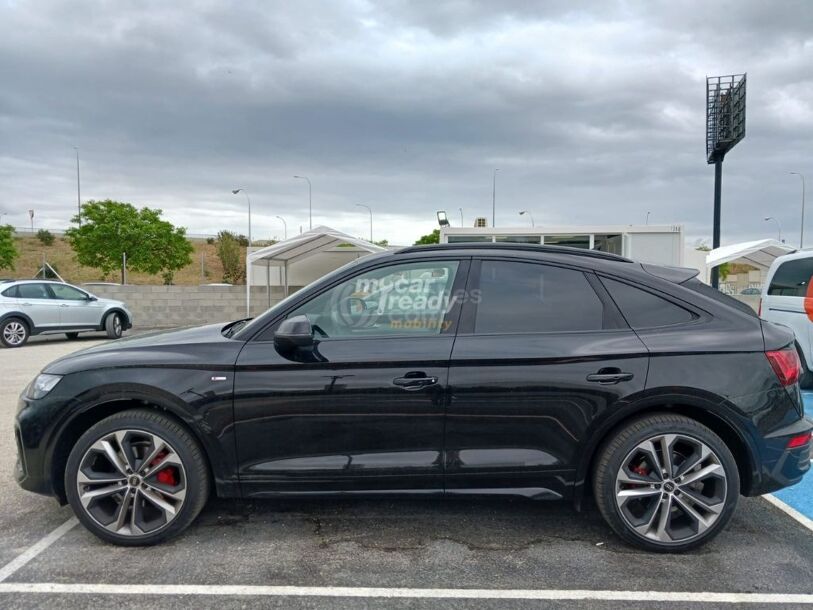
pixel 523 212
pixel 647 216
pixel 461 216
pixel 494 198
pixel 802 229
pixel 248 199
pixel 284 226
pixel 361 205
pixel 310 200
pixel 78 187
pixel 778 226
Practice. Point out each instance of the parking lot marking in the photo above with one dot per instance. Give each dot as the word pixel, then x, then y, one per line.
pixel 36 548
pixel 405 593
pixel 790 511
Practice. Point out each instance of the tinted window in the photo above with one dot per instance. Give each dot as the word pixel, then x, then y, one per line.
pixel 33 291
pixel 643 309
pixel 792 278
pixel 530 298
pixel 10 292
pixel 715 294
pixel 409 299
pixel 63 291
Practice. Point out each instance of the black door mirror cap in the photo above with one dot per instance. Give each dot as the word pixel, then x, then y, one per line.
pixel 294 332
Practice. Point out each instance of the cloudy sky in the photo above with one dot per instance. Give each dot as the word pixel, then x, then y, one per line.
pixel 593 112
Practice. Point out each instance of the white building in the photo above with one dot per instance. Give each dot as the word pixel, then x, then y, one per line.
pixel 659 244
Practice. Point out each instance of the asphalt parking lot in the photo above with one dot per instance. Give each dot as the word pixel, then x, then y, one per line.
pixel 389 553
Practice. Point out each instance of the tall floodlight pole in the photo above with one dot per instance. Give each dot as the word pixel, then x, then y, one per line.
pixel 461 216
pixel 361 205
pixel 248 199
pixel 494 198
pixel 802 230
pixel 725 127
pixel 778 226
pixel 523 212
pixel 284 227
pixel 310 200
pixel 78 187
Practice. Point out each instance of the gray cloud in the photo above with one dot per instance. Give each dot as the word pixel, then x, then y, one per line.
pixel 593 114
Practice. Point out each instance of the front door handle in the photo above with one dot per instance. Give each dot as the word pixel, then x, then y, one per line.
pixel 414 380
pixel 609 376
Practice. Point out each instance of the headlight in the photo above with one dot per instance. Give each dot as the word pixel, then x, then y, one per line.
pixel 42 384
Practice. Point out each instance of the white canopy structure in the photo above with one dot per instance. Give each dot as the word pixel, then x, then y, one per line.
pixel 759 254
pixel 288 252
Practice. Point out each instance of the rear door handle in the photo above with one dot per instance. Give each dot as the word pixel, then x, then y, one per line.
pixel 609 376
pixel 414 380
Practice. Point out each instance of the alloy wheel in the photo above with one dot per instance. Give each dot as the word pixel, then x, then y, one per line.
pixel 131 482
pixel 671 488
pixel 117 325
pixel 14 333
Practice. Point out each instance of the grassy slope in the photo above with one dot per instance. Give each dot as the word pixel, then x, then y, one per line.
pixel 60 255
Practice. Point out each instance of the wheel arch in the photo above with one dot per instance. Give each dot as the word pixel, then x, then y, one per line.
pixel 707 413
pixel 20 316
pixel 83 419
pixel 116 309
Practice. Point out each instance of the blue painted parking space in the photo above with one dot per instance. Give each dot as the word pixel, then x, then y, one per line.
pixel 800 496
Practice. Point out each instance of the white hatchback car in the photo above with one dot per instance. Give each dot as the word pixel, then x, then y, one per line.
pixel 787 298
pixel 32 307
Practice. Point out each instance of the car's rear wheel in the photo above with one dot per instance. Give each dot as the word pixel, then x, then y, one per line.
pixel 136 478
pixel 666 483
pixel 113 325
pixel 14 332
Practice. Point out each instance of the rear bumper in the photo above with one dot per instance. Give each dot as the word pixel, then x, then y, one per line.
pixel 783 467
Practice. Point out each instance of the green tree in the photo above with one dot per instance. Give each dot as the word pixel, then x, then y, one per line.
pixel 431 238
pixel 8 250
pixel 110 229
pixel 46 237
pixel 228 251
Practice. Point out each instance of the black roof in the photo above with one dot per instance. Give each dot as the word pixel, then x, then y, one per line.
pixel 503 246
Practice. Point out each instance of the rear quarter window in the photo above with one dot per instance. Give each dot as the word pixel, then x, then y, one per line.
pixel 10 293
pixel 792 278
pixel 642 309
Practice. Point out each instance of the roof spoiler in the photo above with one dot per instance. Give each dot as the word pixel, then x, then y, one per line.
pixel 676 275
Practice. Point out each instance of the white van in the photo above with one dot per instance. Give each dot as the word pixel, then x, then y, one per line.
pixel 785 299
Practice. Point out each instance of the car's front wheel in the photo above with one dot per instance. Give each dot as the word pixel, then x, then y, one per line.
pixel 666 483
pixel 14 332
pixel 113 325
pixel 136 478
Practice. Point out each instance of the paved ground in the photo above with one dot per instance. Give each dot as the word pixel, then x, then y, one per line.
pixel 379 553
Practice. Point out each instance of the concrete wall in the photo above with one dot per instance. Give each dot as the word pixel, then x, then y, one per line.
pixel 168 306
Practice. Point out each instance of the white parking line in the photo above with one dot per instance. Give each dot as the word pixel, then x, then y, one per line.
pixel 36 548
pixel 392 593
pixel 790 511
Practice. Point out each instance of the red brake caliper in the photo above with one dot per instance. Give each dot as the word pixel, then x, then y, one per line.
pixel 166 476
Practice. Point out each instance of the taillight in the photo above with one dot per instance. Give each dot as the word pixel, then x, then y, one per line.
pixel 799 441
pixel 785 363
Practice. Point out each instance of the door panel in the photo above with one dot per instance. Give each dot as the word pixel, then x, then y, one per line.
pixel 341 424
pixel 35 301
pixel 75 308
pixel 362 409
pixel 522 400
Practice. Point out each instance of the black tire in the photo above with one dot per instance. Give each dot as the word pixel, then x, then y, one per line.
pixel 113 325
pixel 196 474
pixel 72 336
pixel 618 449
pixel 14 332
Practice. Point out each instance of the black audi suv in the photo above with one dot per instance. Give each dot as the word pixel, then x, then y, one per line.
pixel 545 372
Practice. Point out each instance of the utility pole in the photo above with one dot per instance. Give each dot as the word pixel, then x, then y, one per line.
pixel 494 198
pixel 802 229
pixel 78 188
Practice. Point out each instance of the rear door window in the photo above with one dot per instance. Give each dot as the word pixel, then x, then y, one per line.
pixel 792 278
pixel 33 291
pixel 519 297
pixel 642 309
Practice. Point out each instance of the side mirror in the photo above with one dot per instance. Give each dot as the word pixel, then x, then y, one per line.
pixel 92 298
pixel 293 333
